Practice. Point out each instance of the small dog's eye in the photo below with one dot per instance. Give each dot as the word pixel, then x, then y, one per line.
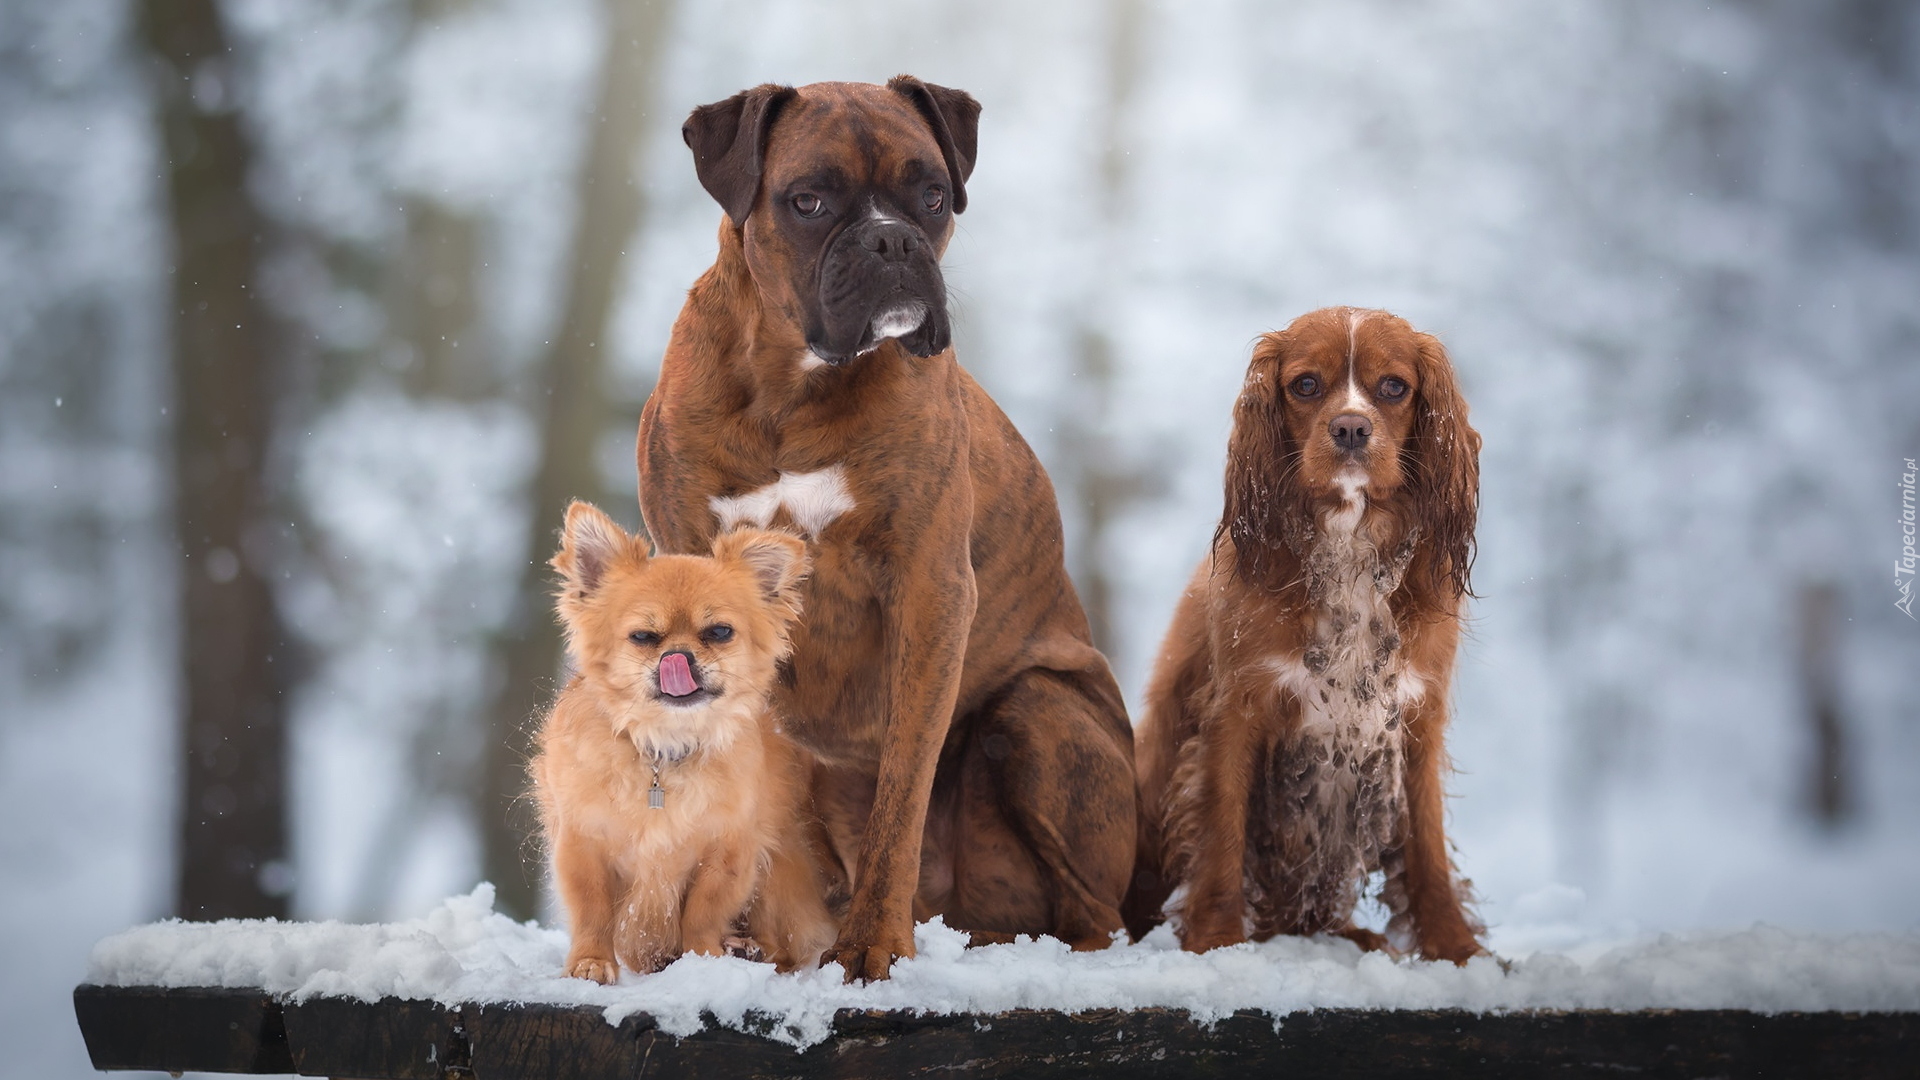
pixel 935 200
pixel 717 633
pixel 644 637
pixel 808 205
pixel 1393 389
pixel 1306 386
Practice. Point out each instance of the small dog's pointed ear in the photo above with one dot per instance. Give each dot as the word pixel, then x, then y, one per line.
pixel 954 117
pixel 588 545
pixel 729 140
pixel 778 561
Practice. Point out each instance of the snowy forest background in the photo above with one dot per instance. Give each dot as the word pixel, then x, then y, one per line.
pixel 1673 247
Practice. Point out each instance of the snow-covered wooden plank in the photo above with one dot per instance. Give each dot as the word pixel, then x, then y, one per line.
pixel 148 1028
pixel 197 1029
pixel 394 1039
pixel 464 986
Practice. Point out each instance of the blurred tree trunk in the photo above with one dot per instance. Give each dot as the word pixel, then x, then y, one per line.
pixel 575 413
pixel 434 304
pixel 1102 476
pixel 233 837
pixel 439 305
pixel 1829 795
pixel 435 299
pixel 432 298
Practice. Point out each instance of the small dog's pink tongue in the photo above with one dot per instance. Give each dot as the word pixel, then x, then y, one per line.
pixel 676 678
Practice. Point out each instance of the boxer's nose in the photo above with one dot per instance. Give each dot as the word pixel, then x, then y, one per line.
pixel 893 241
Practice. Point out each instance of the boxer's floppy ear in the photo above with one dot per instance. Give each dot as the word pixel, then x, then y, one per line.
pixel 728 139
pixel 955 119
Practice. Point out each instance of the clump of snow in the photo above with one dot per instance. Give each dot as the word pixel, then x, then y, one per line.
pixel 464 951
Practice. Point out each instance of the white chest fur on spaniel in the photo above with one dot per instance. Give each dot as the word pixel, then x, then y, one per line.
pixel 1330 789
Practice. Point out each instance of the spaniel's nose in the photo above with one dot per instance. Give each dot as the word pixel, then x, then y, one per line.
pixel 1350 431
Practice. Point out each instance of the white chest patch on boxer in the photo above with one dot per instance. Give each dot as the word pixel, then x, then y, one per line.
pixel 811 500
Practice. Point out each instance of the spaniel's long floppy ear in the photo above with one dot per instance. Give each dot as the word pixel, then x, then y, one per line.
pixel 955 119
pixel 729 142
pixel 1262 464
pixel 1445 472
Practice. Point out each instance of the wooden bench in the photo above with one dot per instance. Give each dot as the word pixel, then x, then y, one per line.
pixel 242 1031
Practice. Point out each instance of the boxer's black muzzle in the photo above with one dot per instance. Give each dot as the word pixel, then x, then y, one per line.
pixel 879 278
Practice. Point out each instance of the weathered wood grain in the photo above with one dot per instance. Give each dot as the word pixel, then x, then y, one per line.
pixel 199 1030
pixel 383 1040
pixel 249 1032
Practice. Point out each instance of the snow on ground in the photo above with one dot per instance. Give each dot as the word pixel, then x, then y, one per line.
pixel 464 951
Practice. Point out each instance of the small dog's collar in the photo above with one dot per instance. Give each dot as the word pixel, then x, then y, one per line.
pixel 657 759
pixel 661 757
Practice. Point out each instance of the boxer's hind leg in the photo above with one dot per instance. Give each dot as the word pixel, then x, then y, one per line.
pixel 1047 833
pixel 994 889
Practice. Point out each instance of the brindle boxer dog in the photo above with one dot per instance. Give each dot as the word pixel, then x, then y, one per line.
pixel 975 757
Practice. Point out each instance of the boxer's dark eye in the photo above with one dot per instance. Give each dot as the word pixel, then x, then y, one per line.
pixel 808 205
pixel 935 200
pixel 1306 386
pixel 1393 389
pixel 644 638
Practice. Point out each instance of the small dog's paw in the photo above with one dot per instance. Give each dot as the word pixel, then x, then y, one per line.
pixel 786 963
pixel 599 970
pixel 706 948
pixel 648 961
pixel 742 946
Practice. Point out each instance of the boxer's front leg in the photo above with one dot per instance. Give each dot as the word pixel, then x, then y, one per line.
pixel 930 609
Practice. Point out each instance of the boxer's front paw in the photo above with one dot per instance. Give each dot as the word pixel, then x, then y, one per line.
pixel 868 952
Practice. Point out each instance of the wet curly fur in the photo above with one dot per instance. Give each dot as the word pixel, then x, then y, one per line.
pixel 1292 746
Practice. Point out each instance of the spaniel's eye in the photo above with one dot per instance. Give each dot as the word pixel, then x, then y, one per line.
pixel 717 633
pixel 644 638
pixel 935 200
pixel 1393 389
pixel 808 205
pixel 1306 386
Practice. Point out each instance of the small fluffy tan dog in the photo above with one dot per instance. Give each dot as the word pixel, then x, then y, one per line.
pixel 671 801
